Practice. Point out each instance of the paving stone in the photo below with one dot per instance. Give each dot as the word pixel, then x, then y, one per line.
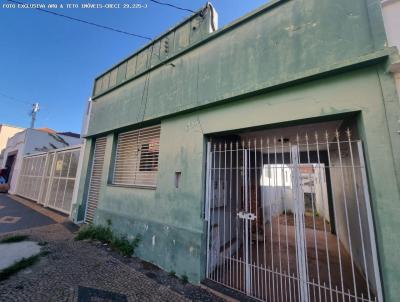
pixel 71 264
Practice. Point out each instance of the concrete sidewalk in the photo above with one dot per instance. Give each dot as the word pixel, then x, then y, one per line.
pixel 81 271
pixel 78 271
pixel 16 251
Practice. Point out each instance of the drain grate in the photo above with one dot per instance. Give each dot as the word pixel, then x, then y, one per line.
pixel 88 294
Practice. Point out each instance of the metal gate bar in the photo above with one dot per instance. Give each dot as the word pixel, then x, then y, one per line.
pixel 286 219
pixel 29 181
pixel 42 173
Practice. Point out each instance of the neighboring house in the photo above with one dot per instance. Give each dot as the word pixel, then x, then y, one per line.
pixel 49 178
pixel 391 18
pixel 31 141
pixel 7 131
pixel 187 136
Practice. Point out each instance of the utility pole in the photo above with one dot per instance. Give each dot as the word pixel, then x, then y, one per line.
pixel 35 109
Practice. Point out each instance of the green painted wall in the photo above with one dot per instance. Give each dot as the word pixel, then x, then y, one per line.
pixel 170 220
pixel 281 43
pixel 244 76
pixel 176 40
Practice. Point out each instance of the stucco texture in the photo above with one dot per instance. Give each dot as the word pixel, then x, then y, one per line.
pixel 294 61
pixel 170 220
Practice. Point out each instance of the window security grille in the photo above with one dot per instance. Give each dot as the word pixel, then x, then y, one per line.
pixel 136 159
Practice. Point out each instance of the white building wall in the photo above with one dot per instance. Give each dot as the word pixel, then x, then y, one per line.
pixel 397 78
pixel 277 189
pixel 15 145
pixel 6 132
pixel 33 141
pixel 391 18
pixel 41 141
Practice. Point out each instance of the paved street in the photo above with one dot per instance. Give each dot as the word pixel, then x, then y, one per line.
pixel 16 216
pixel 81 270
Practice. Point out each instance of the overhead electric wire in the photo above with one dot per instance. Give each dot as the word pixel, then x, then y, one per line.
pixel 173 6
pixel 84 21
pixel 105 26
pixel 18 100
pixel 15 99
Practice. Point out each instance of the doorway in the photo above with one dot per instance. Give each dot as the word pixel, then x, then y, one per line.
pixel 289 217
pixel 10 164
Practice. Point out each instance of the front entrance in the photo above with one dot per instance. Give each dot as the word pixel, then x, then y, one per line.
pixel 289 216
pixel 10 165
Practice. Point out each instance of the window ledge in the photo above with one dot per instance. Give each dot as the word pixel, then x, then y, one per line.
pixel 133 186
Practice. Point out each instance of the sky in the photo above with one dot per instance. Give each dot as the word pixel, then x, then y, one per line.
pixel 54 61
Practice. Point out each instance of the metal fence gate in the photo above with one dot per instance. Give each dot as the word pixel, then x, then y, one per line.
pixel 291 220
pixel 31 176
pixel 49 178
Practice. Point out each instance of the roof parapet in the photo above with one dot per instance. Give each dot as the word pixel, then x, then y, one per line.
pixel 190 31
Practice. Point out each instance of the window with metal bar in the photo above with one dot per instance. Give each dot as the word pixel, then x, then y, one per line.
pixel 136 157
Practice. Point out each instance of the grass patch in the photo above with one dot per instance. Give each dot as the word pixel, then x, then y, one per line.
pixel 123 245
pixel 16 238
pixel 185 279
pixel 98 232
pixel 104 234
pixel 172 273
pixel 17 266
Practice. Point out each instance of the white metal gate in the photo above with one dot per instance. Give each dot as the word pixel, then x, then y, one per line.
pixel 291 220
pixel 49 178
pixel 31 176
pixel 60 178
pixel 95 178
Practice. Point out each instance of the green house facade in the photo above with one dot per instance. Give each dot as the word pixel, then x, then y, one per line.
pixel 161 119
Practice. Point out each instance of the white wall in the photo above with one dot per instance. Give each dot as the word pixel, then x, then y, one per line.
pixel 6 132
pixel 397 77
pixel 391 18
pixel 15 144
pixel 33 141
pixel 277 189
pixel 41 141
pixel 349 195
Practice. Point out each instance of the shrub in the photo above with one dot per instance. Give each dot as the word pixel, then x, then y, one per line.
pixel 185 279
pixel 104 234
pixel 98 232
pixel 172 273
pixel 123 245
